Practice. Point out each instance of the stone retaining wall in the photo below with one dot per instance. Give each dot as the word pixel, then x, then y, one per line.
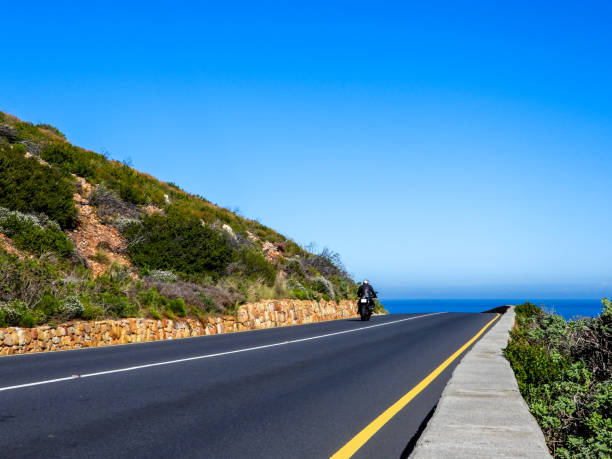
pixel 76 335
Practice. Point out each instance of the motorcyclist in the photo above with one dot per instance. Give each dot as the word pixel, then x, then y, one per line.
pixel 365 291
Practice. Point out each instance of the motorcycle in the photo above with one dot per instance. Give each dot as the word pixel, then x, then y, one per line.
pixel 366 308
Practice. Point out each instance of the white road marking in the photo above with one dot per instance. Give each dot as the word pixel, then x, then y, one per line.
pixel 208 356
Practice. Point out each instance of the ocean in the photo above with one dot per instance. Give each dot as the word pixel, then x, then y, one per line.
pixel 567 308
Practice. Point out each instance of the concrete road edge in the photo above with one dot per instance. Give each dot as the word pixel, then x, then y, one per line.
pixel 481 412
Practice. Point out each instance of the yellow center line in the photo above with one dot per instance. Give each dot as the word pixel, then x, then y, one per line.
pixel 362 437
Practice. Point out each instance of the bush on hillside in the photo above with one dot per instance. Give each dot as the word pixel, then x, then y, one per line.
pixel 293 268
pixel 49 305
pixel 68 159
pixel 344 287
pixel 34 234
pixel 122 223
pixel 208 304
pixel 158 275
pixel 327 263
pixel 17 314
pixel 112 293
pixel 25 280
pixel 298 290
pixel 252 264
pixel 178 307
pixel 109 204
pixel 72 307
pixel 28 186
pixel 324 286
pixel 157 302
pixel 179 244
pixel 117 305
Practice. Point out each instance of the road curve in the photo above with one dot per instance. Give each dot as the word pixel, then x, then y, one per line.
pixel 301 391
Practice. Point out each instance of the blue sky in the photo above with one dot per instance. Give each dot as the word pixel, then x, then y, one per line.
pixel 453 149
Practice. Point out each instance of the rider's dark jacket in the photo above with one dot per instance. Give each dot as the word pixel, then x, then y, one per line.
pixel 366 291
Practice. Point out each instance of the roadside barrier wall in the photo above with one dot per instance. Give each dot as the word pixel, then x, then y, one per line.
pixel 251 316
pixel 481 413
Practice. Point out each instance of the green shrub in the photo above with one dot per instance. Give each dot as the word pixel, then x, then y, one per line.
pixel 29 279
pixel 36 235
pixel 532 364
pixel 208 303
pixel 323 286
pixel 253 265
pixel 90 310
pixel 178 307
pixel 69 159
pixel 527 311
pixel 150 298
pixel 72 307
pixel 298 290
pixel 178 244
pixel 158 275
pixel 49 305
pixel 293 268
pixel 17 314
pixel 122 223
pixel 118 306
pixel 28 186
pixel 300 294
pixel 115 280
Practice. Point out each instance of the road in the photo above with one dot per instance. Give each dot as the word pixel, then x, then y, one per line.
pixel 301 391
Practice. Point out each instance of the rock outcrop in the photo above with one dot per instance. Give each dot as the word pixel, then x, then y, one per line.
pixel 92 236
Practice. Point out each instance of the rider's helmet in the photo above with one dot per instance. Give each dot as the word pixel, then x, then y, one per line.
pixel 365 281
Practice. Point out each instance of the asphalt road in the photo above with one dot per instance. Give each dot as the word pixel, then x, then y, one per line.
pixel 282 399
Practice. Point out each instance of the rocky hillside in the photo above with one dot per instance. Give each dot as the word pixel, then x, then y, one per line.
pixel 85 236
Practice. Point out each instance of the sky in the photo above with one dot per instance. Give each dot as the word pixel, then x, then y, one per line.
pixel 444 149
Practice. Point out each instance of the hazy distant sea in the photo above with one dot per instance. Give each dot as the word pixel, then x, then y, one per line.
pixel 564 307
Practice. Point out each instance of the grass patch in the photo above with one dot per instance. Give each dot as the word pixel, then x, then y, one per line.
pixel 101 257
